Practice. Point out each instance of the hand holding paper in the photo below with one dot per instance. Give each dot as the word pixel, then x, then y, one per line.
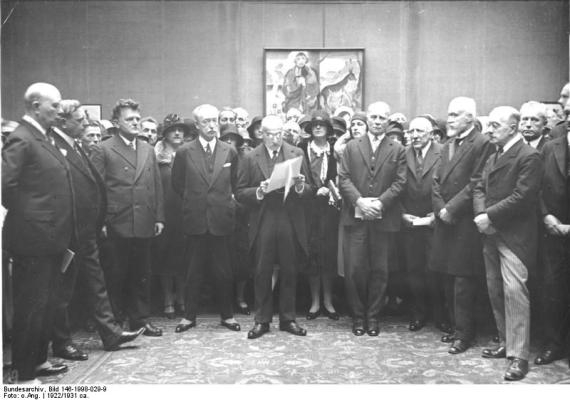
pixel 285 174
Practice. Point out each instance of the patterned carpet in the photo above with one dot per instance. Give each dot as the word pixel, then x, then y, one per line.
pixel 330 353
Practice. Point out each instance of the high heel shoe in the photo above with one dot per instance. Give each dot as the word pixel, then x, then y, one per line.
pixel 331 315
pixel 313 315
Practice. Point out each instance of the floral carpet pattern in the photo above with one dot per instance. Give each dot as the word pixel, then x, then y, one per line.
pixel 329 354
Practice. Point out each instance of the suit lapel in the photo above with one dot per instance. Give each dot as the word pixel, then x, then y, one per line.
pixel 559 151
pixel 197 155
pixel 221 154
pixel 431 158
pixel 119 147
pixel 411 161
pixel 365 149
pixel 460 152
pixel 46 143
pixel 142 154
pixel 504 159
pixel 261 160
pixel 385 149
pixel 72 157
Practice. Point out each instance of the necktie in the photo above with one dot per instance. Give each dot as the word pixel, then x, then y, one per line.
pixel 275 153
pixel 49 136
pixel 499 152
pixel 208 150
pixel 419 163
pixel 132 145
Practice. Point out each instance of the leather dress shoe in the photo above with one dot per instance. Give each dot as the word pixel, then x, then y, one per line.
pixel 449 338
pixel 243 310
pixel 292 327
pixel 458 346
pixel 313 315
pixel 151 330
pixel 232 326
pixel 70 352
pixel 53 369
pixel 498 352
pixel 517 370
pixel 331 315
pixel 444 327
pixel 373 328
pixel 124 337
pixel 358 328
pixel 184 327
pixel 258 330
pixel 548 356
pixel 416 325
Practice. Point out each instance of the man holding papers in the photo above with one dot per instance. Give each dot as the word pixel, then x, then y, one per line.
pixel 277 222
pixel 372 177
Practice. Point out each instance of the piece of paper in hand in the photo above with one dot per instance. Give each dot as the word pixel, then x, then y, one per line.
pixel 423 221
pixel 283 174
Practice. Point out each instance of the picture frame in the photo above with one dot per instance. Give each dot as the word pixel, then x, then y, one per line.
pixel 309 79
pixel 93 111
pixel 554 112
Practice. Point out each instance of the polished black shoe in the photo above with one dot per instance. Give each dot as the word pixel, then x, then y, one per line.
pixel 416 325
pixel 232 326
pixel 458 346
pixel 448 338
pixel 242 310
pixel 358 328
pixel 151 330
pixel 373 328
pixel 124 337
pixel 517 370
pixel 331 315
pixel 444 327
pixel 548 356
pixel 54 369
pixel 184 327
pixel 498 352
pixel 258 330
pixel 292 327
pixel 313 315
pixel 70 352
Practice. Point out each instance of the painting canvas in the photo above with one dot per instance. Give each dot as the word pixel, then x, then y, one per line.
pixel 309 80
pixel 93 111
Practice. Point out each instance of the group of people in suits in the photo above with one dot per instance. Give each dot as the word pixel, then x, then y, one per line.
pixel 483 205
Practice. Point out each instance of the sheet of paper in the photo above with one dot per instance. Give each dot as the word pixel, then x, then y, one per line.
pixel 283 174
pixel 422 221
pixel 67 258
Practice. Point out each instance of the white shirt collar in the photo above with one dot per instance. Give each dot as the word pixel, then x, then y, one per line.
pixel 511 142
pixel 425 149
pixel 64 136
pixel 270 152
pixel 372 137
pixel 534 143
pixel 464 134
pixel 35 123
pixel 128 142
pixel 204 143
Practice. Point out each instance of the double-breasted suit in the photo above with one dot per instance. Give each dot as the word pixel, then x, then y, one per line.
pixel 457 249
pixel 206 185
pixel 380 174
pixel 39 227
pixel 90 207
pixel 555 271
pixel 426 288
pixel 277 229
pixel 134 206
pixel 508 194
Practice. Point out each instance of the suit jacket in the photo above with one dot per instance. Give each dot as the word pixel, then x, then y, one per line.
pixel 457 248
pixel 416 198
pixel 207 204
pixel 555 196
pixel 543 140
pixel 385 179
pixel 252 171
pixel 38 194
pixel 134 188
pixel 89 189
pixel 508 193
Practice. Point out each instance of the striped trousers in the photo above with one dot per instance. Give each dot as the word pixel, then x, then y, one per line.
pixel 509 296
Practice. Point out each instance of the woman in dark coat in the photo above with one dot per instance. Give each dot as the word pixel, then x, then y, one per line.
pixel 323 216
pixel 169 261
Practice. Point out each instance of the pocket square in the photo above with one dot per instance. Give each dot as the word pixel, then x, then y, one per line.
pixel 227 164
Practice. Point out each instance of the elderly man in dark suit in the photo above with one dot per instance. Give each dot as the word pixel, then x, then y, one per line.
pixel 89 213
pixel 39 226
pixel 532 124
pixel 426 289
pixel 204 175
pixel 277 230
pixel 135 214
pixel 505 202
pixel 372 176
pixel 555 215
pixel 457 250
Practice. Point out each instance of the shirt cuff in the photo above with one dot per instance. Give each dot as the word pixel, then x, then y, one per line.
pixel 258 194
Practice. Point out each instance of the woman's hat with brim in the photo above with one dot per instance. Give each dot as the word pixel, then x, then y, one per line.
pixel 254 122
pixel 395 128
pixel 230 131
pixel 339 125
pixel 172 121
pixel 320 117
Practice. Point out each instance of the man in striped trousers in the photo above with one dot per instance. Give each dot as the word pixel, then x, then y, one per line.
pixel 505 201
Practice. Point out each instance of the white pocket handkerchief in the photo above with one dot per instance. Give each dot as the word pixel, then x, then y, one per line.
pixel 228 164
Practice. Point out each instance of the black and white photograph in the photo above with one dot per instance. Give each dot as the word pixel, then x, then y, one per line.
pixel 340 197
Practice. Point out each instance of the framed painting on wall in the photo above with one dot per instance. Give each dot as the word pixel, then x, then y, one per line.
pixel 93 111
pixel 312 79
pixel 554 113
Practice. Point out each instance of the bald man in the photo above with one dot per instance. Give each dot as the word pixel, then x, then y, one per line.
pixel 426 289
pixel 372 178
pixel 277 231
pixel 457 250
pixel 533 123
pixel 39 227
pixel 505 202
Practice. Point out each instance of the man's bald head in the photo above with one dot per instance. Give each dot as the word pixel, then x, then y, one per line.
pixel 272 131
pixel 377 117
pixel 206 117
pixel 461 115
pixel 420 132
pixel 41 101
pixel 503 124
